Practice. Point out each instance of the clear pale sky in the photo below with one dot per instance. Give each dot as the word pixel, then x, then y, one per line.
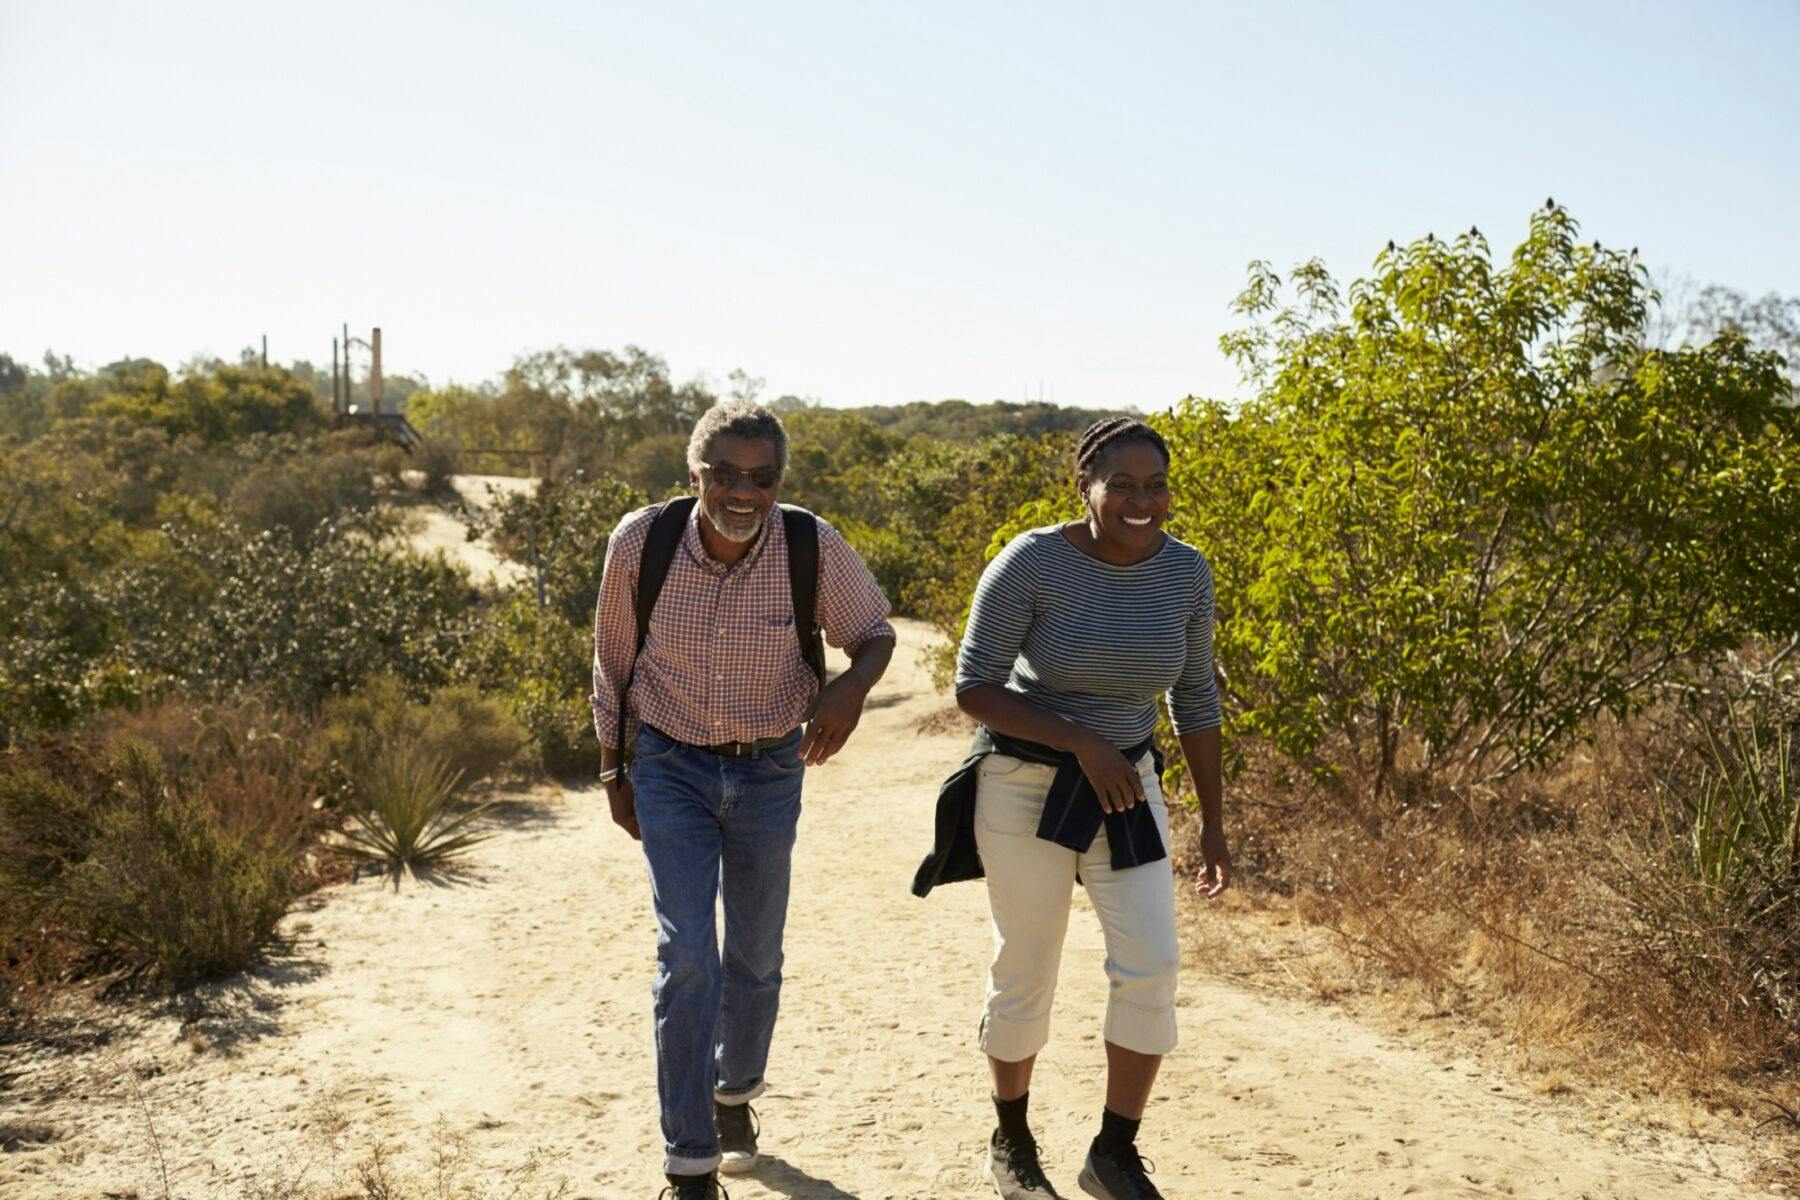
pixel 860 204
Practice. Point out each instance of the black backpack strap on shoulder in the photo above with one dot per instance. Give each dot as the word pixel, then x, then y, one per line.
pixel 653 568
pixel 659 552
pixel 802 530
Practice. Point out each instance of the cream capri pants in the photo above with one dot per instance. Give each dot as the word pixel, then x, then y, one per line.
pixel 1030 883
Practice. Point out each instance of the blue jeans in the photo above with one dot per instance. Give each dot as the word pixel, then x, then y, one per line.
pixel 710 824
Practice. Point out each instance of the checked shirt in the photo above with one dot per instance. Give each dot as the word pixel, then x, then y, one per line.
pixel 721 662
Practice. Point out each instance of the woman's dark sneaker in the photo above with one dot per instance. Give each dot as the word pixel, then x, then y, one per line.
pixel 737 1128
pixel 1120 1174
pixel 694 1187
pixel 1017 1175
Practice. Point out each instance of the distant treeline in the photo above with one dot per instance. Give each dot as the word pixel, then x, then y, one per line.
pixel 959 420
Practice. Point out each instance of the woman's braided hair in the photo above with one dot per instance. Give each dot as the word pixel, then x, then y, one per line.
pixel 1112 430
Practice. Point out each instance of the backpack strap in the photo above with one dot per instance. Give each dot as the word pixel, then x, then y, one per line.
pixel 653 568
pixel 802 530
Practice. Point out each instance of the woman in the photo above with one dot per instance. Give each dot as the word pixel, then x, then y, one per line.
pixel 1074 633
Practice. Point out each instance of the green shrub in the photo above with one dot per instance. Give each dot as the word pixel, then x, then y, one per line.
pixel 46 826
pixel 438 460
pixel 473 735
pixel 308 620
pixel 562 726
pixel 541 663
pixel 136 870
pixel 168 886
pixel 388 463
pixel 298 494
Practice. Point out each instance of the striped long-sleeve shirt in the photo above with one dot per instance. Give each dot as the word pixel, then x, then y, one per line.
pixel 1095 642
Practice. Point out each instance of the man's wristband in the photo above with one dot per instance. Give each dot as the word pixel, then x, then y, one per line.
pixel 611 773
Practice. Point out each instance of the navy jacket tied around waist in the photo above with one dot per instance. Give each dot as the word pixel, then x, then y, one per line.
pixel 1072 813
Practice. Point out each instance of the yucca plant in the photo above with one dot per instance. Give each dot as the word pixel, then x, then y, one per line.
pixel 402 818
pixel 1740 834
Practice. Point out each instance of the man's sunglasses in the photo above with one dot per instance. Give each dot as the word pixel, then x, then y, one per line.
pixel 726 475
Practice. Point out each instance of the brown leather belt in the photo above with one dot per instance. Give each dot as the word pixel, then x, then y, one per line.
pixel 746 749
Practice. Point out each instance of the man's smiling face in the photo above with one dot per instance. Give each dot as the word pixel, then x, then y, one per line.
pixel 737 485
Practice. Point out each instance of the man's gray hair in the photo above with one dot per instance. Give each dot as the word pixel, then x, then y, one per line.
pixel 737 418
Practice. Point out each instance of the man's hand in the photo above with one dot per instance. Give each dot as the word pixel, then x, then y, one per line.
pixel 834 719
pixel 623 798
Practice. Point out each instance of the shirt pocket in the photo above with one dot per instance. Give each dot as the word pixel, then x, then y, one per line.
pixel 766 644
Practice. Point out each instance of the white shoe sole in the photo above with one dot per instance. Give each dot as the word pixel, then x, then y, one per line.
pixel 737 1164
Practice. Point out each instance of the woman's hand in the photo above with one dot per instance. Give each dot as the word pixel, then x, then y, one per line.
pixel 1113 777
pixel 1217 877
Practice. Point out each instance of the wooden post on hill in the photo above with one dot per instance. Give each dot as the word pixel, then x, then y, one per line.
pixel 375 374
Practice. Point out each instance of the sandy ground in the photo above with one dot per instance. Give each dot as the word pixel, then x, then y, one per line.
pixel 512 1003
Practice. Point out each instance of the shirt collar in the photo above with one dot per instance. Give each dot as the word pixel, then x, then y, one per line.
pixel 690 541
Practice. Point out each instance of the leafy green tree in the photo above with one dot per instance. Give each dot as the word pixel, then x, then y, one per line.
pixel 990 492
pixel 596 412
pixel 1470 510
pixel 560 530
pixel 216 402
pixel 836 461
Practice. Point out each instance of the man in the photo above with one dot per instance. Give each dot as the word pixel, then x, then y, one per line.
pixel 717 696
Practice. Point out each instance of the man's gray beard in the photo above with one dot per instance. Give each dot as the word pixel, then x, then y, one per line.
pixel 733 535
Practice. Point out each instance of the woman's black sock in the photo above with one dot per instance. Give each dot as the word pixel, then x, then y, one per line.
pixel 1116 1132
pixel 1012 1118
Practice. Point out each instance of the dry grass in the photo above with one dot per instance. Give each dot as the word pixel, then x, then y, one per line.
pixel 1519 915
pixel 338 1164
pixel 261 767
pixel 160 844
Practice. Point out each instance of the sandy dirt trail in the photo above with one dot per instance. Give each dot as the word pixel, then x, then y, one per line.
pixel 513 1004
pixel 441 528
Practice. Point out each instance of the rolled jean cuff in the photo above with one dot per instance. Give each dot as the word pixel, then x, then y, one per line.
pixel 675 1163
pixel 741 1096
pixel 1013 1041
pixel 1141 1030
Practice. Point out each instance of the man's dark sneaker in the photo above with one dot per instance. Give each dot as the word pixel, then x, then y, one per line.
pixel 1120 1174
pixel 737 1128
pixel 1017 1174
pixel 694 1187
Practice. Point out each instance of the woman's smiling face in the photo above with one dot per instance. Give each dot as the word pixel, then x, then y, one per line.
pixel 1127 491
